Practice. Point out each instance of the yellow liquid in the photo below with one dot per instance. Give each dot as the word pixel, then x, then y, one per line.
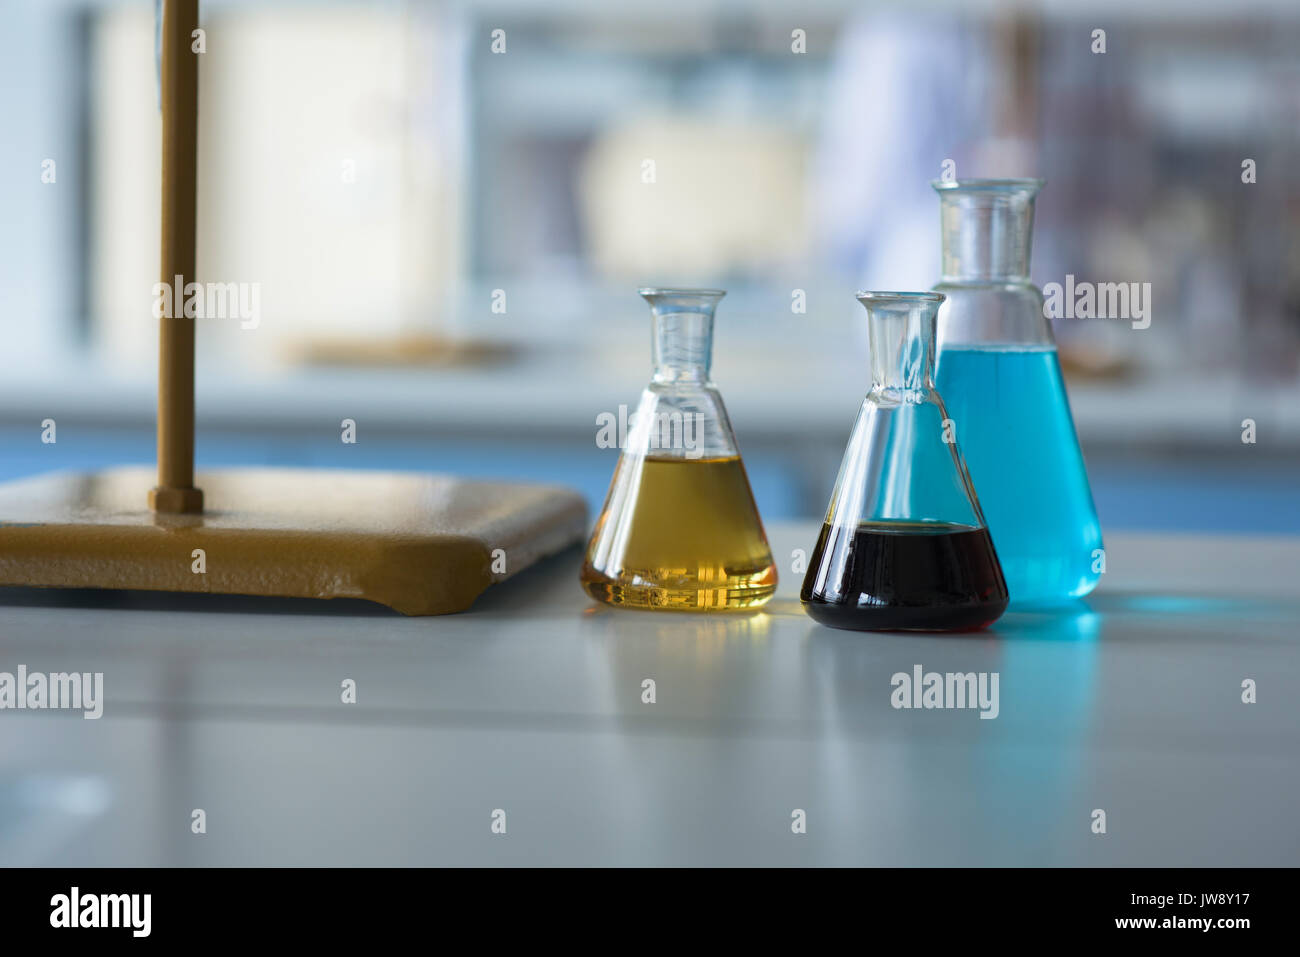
pixel 680 534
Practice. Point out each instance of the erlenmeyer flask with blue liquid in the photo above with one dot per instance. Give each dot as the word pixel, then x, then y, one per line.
pixel 999 375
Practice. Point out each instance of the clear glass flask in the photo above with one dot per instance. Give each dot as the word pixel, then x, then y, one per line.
pixel 998 371
pixel 904 546
pixel 680 529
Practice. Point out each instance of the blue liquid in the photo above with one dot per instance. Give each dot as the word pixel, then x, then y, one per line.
pixel 1014 429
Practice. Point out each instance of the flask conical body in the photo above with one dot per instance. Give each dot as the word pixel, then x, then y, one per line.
pixel 679 529
pixel 904 545
pixel 998 371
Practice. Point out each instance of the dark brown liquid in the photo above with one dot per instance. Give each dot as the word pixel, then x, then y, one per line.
pixel 901 576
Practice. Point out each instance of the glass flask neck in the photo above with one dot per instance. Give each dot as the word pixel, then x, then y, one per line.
pixel 987 228
pixel 682 337
pixel 901 333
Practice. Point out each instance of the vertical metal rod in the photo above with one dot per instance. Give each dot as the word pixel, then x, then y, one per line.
pixel 175 491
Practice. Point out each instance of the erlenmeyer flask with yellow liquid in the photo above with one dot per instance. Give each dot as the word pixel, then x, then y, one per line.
pixel 680 529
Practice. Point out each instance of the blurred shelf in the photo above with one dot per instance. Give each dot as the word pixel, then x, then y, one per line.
pixel 782 392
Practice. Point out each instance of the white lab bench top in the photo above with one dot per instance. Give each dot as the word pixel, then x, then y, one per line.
pixel 531 703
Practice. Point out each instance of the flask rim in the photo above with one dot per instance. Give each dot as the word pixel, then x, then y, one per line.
pixel 680 291
pixel 987 185
pixel 880 296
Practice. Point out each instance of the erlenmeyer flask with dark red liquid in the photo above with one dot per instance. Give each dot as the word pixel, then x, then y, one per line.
pixel 904 546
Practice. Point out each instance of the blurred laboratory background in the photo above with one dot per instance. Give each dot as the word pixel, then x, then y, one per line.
pixel 446 209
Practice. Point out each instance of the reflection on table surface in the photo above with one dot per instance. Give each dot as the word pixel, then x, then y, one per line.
pixel 534 703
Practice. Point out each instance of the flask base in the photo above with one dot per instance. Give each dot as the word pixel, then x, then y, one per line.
pixel 885 618
pixel 734 593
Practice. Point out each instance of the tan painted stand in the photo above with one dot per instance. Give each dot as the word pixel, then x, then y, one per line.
pixel 175 491
pixel 422 544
